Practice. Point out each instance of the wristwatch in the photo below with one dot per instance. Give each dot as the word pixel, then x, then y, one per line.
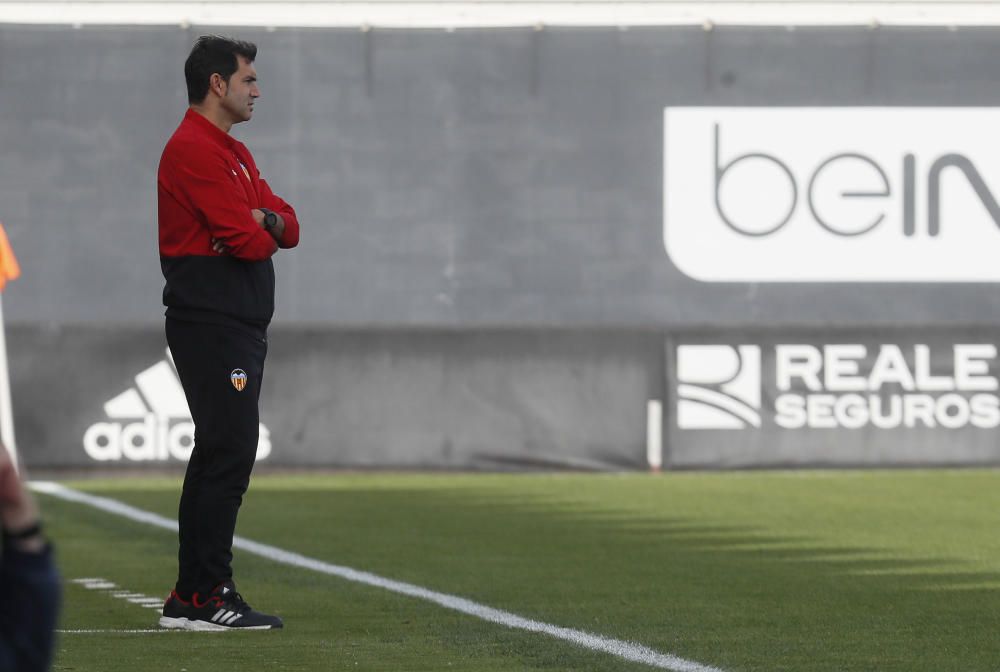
pixel 270 219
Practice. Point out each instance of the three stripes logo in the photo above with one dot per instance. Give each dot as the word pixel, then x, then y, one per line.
pixel 151 422
pixel 719 386
pixel 226 617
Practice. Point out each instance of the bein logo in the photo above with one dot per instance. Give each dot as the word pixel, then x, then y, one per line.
pixel 832 194
pixel 718 386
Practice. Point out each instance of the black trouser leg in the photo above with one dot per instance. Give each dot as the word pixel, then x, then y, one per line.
pixel 226 424
pixel 187 516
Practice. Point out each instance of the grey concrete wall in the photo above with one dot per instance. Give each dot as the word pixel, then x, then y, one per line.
pixel 469 179
pixel 482 280
pixel 502 400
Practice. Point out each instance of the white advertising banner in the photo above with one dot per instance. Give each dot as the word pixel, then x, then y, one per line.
pixel 836 194
pixel 150 422
pixel 890 398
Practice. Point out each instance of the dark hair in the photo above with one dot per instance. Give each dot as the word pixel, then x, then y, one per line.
pixel 214 54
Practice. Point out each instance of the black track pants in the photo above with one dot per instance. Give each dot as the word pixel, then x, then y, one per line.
pixel 208 357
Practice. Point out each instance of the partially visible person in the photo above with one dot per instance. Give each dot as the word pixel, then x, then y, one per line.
pixel 29 583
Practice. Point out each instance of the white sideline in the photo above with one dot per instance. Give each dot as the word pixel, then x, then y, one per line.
pixel 616 647
pixel 115 632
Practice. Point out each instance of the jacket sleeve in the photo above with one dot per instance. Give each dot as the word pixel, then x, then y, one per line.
pixel 205 183
pixel 28 610
pixel 273 202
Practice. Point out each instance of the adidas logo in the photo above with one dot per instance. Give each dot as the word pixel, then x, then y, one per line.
pixel 150 422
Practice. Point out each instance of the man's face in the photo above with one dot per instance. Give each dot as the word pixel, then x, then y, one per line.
pixel 241 92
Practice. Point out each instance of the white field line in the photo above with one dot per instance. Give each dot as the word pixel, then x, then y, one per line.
pixel 622 649
pixel 117 632
pixel 111 589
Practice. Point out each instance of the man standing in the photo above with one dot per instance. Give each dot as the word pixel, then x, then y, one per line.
pixel 219 225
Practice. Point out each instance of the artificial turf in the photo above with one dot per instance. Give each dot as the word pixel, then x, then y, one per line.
pixel 803 571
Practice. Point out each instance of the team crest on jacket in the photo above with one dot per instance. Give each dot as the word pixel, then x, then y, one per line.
pixel 239 379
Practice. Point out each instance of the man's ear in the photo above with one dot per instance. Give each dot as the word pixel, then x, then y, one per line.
pixel 217 84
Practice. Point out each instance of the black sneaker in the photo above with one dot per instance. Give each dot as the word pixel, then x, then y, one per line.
pixel 175 612
pixel 224 609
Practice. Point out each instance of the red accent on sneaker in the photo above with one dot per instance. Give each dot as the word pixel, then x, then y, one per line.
pixel 214 600
pixel 175 596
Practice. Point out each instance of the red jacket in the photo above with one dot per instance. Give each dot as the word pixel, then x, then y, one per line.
pixel 206 187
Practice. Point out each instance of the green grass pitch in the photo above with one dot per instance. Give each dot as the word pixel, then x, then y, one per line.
pixel 888 571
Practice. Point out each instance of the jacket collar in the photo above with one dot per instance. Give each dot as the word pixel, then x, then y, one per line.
pixel 210 130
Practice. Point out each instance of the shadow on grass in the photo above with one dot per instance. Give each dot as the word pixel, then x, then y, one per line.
pixel 737 596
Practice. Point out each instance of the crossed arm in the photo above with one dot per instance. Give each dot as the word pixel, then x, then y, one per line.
pixel 277 231
pixel 207 187
pixel 285 232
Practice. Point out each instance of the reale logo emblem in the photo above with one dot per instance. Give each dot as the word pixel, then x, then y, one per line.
pixel 718 386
